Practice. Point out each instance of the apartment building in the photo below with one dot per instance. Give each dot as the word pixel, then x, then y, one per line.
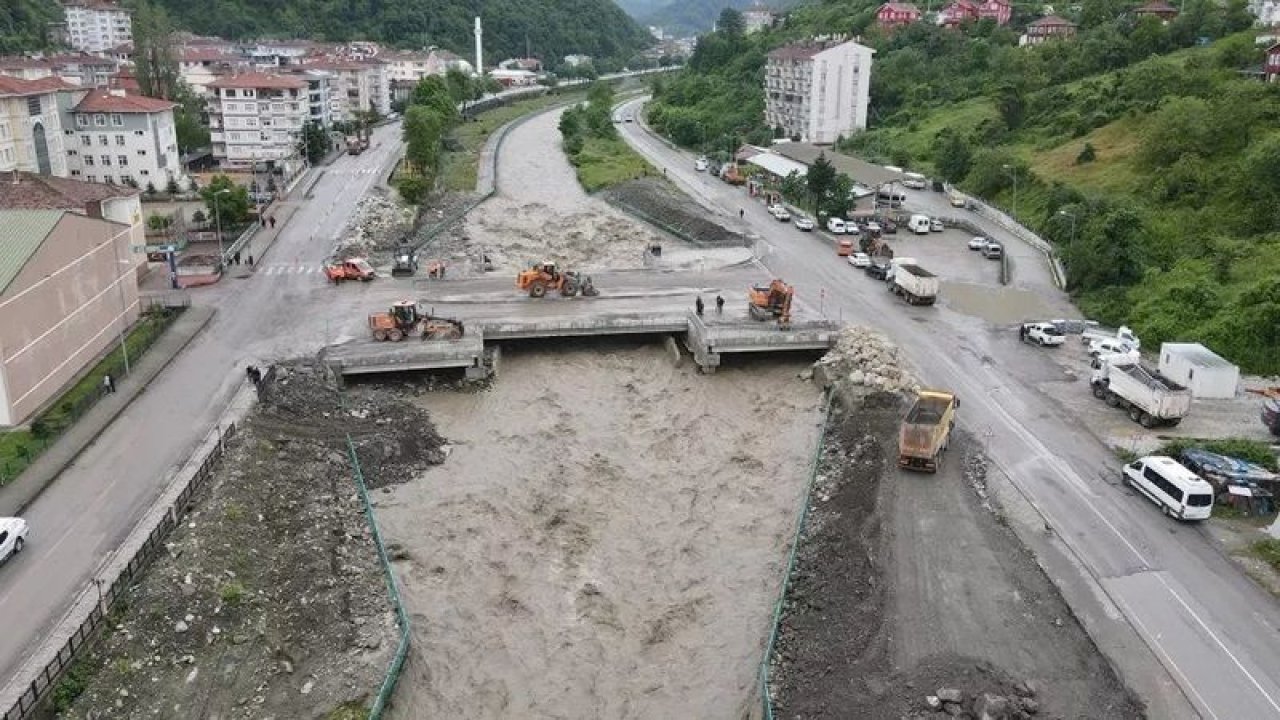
pixel 31 131
pixel 123 139
pixel 76 68
pixel 200 65
pixel 355 85
pixel 256 117
pixel 818 91
pixel 96 25
pixel 319 96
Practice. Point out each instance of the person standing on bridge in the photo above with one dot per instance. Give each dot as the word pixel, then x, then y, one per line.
pixel 741 212
pixel 719 305
pixel 697 305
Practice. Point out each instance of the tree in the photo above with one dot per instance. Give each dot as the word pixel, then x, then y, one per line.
pixel 154 62
pixel 424 129
pixel 314 142
pixel 191 131
pixel 731 24
pixel 952 157
pixel 820 180
pixel 1087 154
pixel 1010 104
pixel 231 206
pixel 433 92
pixel 171 187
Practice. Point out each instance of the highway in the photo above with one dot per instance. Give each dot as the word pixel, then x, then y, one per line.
pixel 1208 634
pixel 80 520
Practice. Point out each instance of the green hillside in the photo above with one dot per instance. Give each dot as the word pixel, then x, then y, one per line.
pixel 1149 159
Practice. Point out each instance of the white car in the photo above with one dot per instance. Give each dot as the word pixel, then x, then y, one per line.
pixel 1098 348
pixel 873 227
pixel 936 225
pixel 835 226
pixel 860 260
pixel 977 243
pixel 803 223
pixel 701 164
pixel 13 535
pixel 1042 333
pixel 780 212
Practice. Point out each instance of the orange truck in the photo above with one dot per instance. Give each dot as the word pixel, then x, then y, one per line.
pixel 844 248
pixel 926 431
pixel 349 269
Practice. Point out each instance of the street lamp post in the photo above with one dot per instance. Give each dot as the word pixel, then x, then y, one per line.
pixel 1064 213
pixel 217 222
pixel 1013 173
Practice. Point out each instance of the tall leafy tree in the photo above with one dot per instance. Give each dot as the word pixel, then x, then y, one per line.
pixel 820 180
pixel 730 23
pixel 155 64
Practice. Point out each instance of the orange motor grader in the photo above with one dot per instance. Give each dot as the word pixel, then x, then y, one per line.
pixel 404 319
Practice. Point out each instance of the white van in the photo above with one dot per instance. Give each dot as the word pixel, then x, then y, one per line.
pixel 914 181
pixel 919 224
pixel 835 226
pixel 1179 492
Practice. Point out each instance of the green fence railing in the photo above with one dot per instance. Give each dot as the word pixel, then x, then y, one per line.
pixel 766 700
pixel 393 591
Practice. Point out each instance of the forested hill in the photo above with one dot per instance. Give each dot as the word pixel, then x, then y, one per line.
pixel 23 23
pixel 552 28
pixel 1148 153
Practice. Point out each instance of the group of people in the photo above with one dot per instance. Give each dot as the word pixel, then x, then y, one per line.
pixel 698 305
pixel 235 259
pixel 254 374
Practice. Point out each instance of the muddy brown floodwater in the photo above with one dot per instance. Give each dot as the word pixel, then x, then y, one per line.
pixel 605 539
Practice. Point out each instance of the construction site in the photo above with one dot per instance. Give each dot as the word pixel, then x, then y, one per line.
pixel 591 517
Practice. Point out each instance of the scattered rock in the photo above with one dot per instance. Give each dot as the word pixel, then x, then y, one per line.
pixel 932 702
pixel 181 627
pixel 306 687
pixel 950 695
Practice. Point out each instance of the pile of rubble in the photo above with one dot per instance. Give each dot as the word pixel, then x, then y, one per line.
pixel 867 359
pixel 1021 705
pixel 379 223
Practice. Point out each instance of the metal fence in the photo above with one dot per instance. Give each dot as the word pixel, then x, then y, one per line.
pixel 388 685
pixel 86 633
pixel 766 697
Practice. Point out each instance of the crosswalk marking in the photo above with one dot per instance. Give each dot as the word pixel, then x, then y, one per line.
pixel 289 269
pixel 355 171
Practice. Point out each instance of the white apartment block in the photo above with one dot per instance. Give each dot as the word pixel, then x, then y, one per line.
pixel 31 132
pixel 319 96
pixel 123 140
pixel 411 65
pixel 257 117
pixel 356 85
pixel 96 25
pixel 200 65
pixel 818 91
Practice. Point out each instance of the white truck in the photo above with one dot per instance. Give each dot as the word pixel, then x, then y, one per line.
pixel 1124 336
pixel 914 284
pixel 1150 398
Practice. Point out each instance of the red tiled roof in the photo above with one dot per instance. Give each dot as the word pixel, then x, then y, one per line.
pixel 1157 6
pixel 200 53
pixel 24 62
pixel 901 7
pixel 101 101
pixel 259 80
pixel 17 86
pixel 45 192
pixel 1051 21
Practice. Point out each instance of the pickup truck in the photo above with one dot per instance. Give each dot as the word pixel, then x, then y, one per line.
pixel 926 431
pixel 1150 398
pixel 1123 335
pixel 1042 333
pixel 914 284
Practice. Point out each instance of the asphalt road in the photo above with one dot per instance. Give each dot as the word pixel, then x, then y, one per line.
pixel 1205 622
pixel 84 516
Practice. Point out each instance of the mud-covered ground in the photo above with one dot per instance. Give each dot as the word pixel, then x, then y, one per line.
pixel 657 201
pixel 269 601
pixel 606 538
pixel 908 584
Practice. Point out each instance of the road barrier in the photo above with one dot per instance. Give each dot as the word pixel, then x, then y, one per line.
pixel 393 591
pixel 39 688
pixel 766 696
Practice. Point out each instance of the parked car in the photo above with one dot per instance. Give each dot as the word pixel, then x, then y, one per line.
pixel 1177 490
pixel 836 226
pixel 700 164
pixel 860 191
pixel 780 213
pixel 13 535
pixel 1042 333
pixel 914 181
pixel 890 227
pixel 878 270
pixel 936 225
pixel 977 243
pixel 993 251
pixel 872 227
pixel 1111 346
pixel 860 260
pixel 919 224
pixel 803 223
pixel 957 200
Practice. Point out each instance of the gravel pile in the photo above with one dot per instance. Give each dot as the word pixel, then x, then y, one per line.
pixel 657 202
pixel 864 358
pixel 379 223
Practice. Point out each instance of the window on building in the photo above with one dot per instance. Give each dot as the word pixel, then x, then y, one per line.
pixel 100 120
pixel 110 180
pixel 117 120
pixel 33 106
pixel 145 172
pixel 106 160
pixel 138 133
pixel 91 178
pixel 71 153
pixel 88 160
pixel 102 140
pixel 142 152
pixel 86 141
pixel 75 173
pixel 126 179
pixel 122 160
pixel 82 120
pixel 119 139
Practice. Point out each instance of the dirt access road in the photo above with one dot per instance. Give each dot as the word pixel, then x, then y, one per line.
pixel 605 539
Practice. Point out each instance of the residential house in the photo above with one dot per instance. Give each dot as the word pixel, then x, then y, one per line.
pixel 97 25
pixel 1049 27
pixel 83 69
pixel 257 117
pixel 757 17
pixel 124 139
pixel 355 86
pixel 514 77
pixel 958 13
pixel 574 61
pixel 1271 66
pixel 1157 9
pixel 896 14
pixel 998 10
pixel 31 131
pixel 818 91
pixel 26 68
pixel 200 65
pixel 407 65
pixel 121 54
pixel 270 56
pixel 532 65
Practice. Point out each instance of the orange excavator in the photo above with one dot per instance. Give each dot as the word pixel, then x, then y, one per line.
pixel 545 276
pixel 771 302
pixel 404 319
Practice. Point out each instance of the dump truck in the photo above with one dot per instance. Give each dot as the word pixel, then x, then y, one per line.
pixel 349 269
pixel 1150 398
pixel 404 319
pixel 914 284
pixel 926 430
